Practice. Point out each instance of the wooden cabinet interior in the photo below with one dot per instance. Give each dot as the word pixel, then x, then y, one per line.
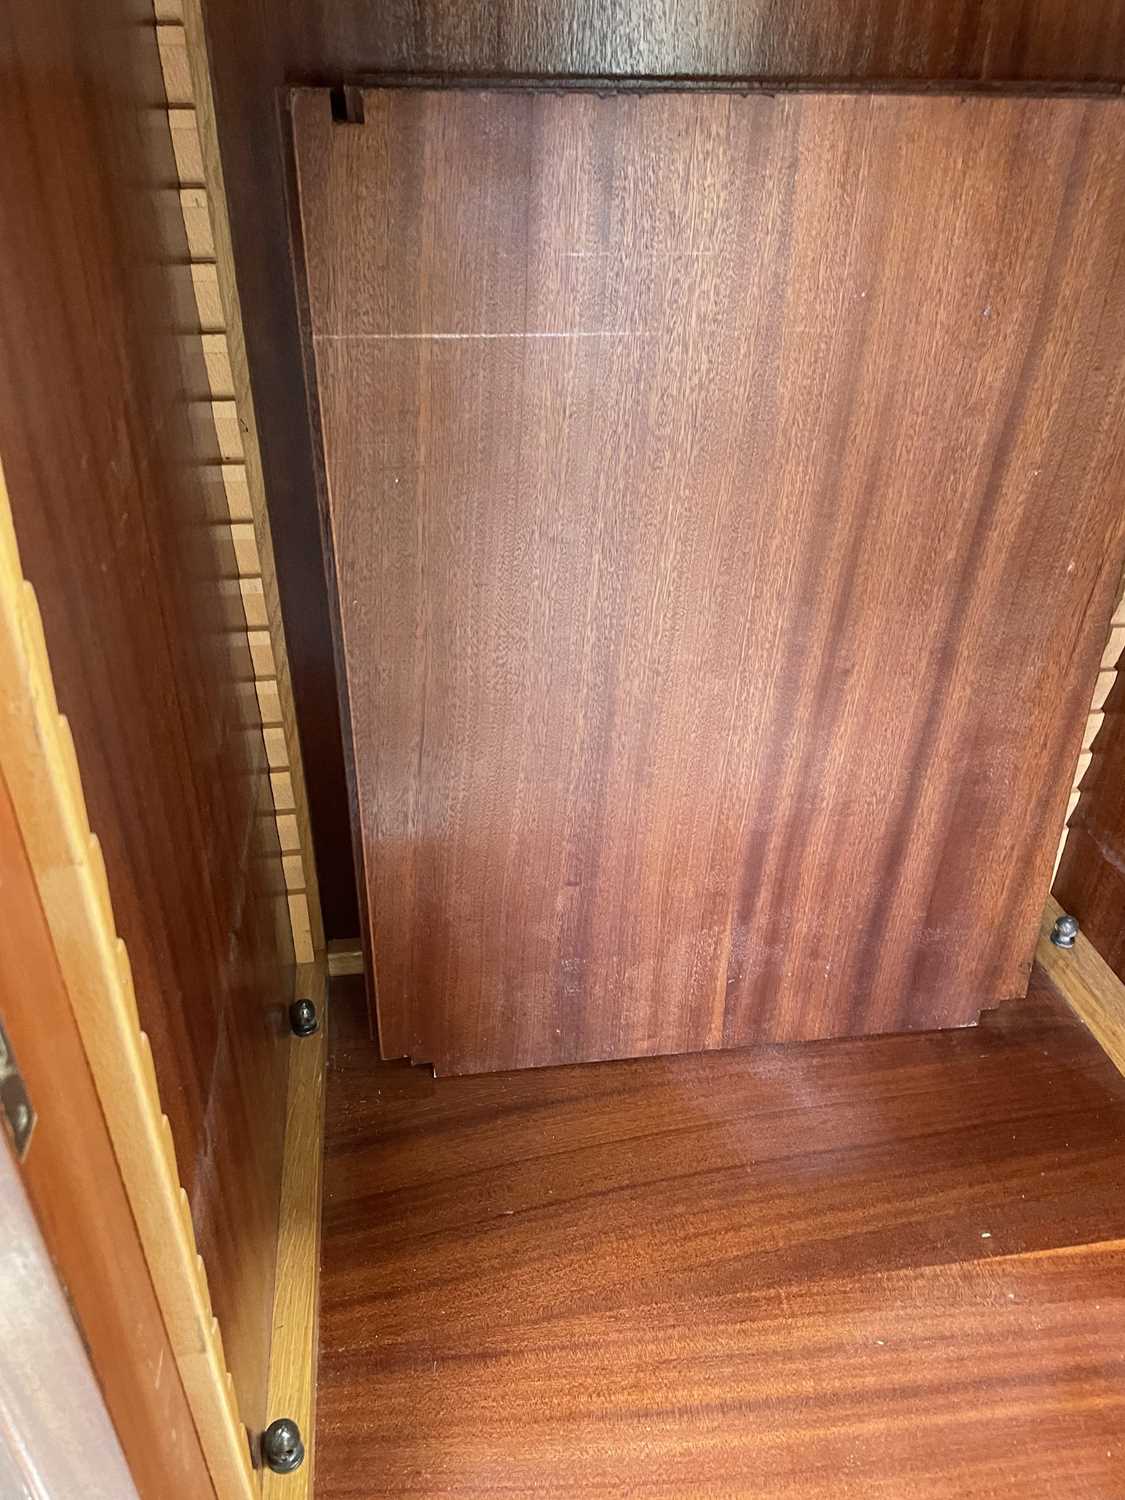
pixel 259 47
pixel 724 497
pixel 105 393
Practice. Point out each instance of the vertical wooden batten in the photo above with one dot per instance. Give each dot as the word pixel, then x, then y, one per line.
pixel 39 764
pixel 293 1358
pixel 1090 878
pixel 112 375
pixel 228 423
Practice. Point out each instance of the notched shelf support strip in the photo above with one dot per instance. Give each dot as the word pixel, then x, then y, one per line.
pixel 41 769
pixel 227 424
pixel 293 1351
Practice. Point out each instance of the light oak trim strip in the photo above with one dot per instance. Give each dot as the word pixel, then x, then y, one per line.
pixel 41 769
pixel 1090 987
pixel 186 149
pixel 208 300
pixel 241 441
pixel 345 956
pixel 292 1380
pixel 174 61
pixel 197 223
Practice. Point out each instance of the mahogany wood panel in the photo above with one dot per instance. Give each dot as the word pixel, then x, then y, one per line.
pixel 112 510
pixel 883 1266
pixel 697 469
pixel 72 1178
pixel 259 46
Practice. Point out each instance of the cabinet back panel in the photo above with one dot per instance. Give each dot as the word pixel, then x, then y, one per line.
pixel 724 493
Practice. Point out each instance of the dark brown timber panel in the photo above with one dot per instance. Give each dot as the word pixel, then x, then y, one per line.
pixel 142 613
pixel 260 45
pixel 884 1267
pixel 725 495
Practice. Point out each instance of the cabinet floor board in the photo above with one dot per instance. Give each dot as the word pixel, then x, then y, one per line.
pixel 889 1266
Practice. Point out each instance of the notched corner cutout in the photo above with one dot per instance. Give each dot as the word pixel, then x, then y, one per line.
pixel 347 104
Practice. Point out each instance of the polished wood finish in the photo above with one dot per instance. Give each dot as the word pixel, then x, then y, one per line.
pixel 187 77
pixel 696 467
pixel 259 46
pixel 42 774
pixel 296 1305
pixel 888 1266
pixel 72 1177
pixel 142 616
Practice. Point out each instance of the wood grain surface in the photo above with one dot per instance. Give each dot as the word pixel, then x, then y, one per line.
pixel 697 469
pixel 187 79
pixel 1091 878
pixel 260 46
pixel 888 1266
pixel 293 1358
pixel 142 615
pixel 74 1183
pixel 1087 983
